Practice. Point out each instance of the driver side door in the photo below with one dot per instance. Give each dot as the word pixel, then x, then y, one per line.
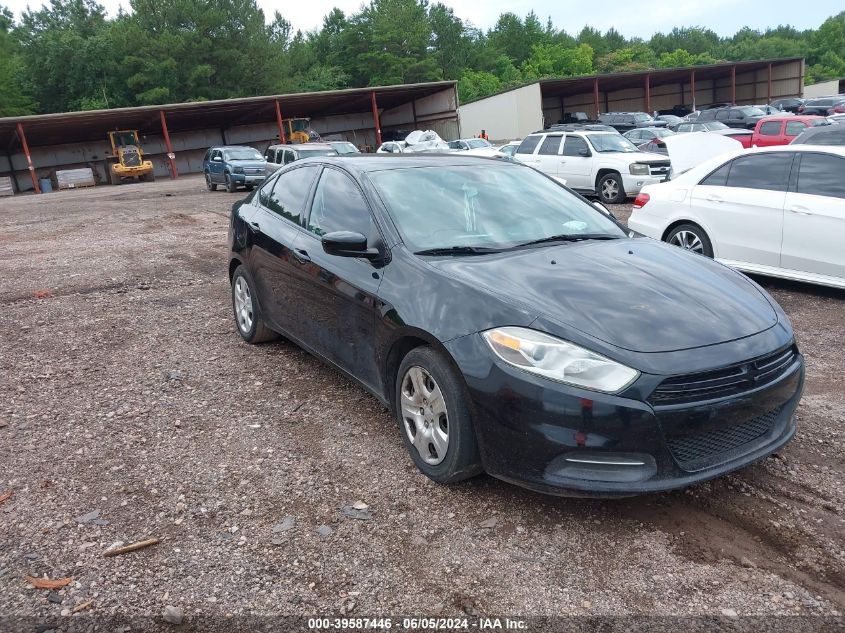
pixel 338 295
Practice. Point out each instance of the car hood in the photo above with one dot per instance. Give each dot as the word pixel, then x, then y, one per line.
pixel 693 148
pixel 635 294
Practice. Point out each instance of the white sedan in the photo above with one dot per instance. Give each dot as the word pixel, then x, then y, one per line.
pixel 777 211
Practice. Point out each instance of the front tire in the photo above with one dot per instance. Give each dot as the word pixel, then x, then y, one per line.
pixel 231 187
pixel 691 237
pixel 434 417
pixel 611 190
pixel 248 319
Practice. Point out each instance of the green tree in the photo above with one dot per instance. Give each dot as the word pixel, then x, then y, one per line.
pixel 13 98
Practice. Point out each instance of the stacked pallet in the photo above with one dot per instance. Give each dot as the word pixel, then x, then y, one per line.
pixel 6 186
pixel 73 178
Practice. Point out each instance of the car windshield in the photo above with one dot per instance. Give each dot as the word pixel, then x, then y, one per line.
pixel 607 143
pixel 821 102
pixel 752 111
pixel 478 143
pixel 489 206
pixel 246 153
pixel 345 148
pixel 305 153
pixel 661 132
pixel 714 125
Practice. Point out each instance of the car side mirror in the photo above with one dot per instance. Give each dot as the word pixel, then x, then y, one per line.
pixel 598 205
pixel 216 159
pixel 584 152
pixel 348 244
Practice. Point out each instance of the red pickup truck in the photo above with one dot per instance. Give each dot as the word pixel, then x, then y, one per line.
pixel 780 130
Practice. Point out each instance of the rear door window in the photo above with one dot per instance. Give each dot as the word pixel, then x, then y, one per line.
pixel 529 144
pixel 821 175
pixel 770 128
pixel 550 146
pixel 290 193
pixel 761 171
pixel 719 177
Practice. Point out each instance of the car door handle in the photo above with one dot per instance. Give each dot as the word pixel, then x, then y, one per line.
pixel 800 210
pixel 255 226
pixel 301 255
pixel 712 198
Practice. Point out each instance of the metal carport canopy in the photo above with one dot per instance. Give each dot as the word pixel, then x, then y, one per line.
pixel 72 127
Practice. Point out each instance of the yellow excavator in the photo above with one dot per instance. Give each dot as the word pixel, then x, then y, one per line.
pixel 130 158
pixel 299 131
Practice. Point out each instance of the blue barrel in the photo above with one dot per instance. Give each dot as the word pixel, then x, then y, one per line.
pixel 45 184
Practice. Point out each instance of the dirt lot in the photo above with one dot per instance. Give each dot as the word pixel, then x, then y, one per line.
pixel 128 397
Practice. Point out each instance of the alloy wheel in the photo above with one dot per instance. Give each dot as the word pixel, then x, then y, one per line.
pixel 687 240
pixel 425 416
pixel 243 305
pixel 609 189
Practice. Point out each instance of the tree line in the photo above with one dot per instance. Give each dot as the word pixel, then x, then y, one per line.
pixel 68 55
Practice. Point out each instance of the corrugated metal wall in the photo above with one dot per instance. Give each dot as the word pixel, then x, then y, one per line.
pixel 437 112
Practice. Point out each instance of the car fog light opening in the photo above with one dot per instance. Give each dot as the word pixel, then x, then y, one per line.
pixel 558 360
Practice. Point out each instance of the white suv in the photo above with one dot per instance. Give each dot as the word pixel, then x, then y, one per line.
pixel 596 162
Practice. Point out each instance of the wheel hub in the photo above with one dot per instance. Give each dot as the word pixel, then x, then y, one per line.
pixel 424 415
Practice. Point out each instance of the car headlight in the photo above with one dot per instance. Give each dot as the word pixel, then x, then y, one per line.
pixel 638 169
pixel 238 170
pixel 559 360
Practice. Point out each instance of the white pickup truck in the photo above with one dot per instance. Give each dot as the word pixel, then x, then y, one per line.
pixel 596 162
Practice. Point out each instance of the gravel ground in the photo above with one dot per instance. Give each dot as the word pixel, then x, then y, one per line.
pixel 131 409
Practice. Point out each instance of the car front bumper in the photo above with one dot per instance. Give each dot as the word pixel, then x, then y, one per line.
pixel 563 440
pixel 248 179
pixel 633 184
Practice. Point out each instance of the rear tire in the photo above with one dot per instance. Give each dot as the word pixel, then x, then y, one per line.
pixel 248 319
pixel 208 184
pixel 691 237
pixel 432 409
pixel 231 187
pixel 611 190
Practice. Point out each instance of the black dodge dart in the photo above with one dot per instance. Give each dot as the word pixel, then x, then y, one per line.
pixel 514 328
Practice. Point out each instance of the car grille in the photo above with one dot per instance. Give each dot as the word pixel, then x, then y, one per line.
pixel 724 382
pixel 692 450
pixel 253 170
pixel 131 159
pixel 658 169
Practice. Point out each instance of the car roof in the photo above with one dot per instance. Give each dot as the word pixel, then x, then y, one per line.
pixel 303 145
pixel 363 163
pixel 232 147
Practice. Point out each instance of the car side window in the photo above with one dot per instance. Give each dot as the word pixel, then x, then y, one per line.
pixel 721 115
pixel 821 175
pixel 290 193
pixel 575 146
pixel 719 177
pixel 770 128
pixel 685 127
pixel 550 146
pixel 794 128
pixel 339 206
pixel 216 154
pixel 761 171
pixel 528 145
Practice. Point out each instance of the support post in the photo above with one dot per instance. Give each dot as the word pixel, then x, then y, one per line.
pixel 375 117
pixel 596 95
pixel 25 145
pixel 692 87
pixel 733 84
pixel 769 100
pixel 170 155
pixel 648 93
pixel 281 123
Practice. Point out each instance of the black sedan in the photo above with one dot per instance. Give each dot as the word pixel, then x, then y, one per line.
pixel 514 328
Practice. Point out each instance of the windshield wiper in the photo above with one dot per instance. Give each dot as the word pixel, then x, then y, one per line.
pixel 459 250
pixel 570 237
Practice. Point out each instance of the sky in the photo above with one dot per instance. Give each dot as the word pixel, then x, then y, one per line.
pixel 725 17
